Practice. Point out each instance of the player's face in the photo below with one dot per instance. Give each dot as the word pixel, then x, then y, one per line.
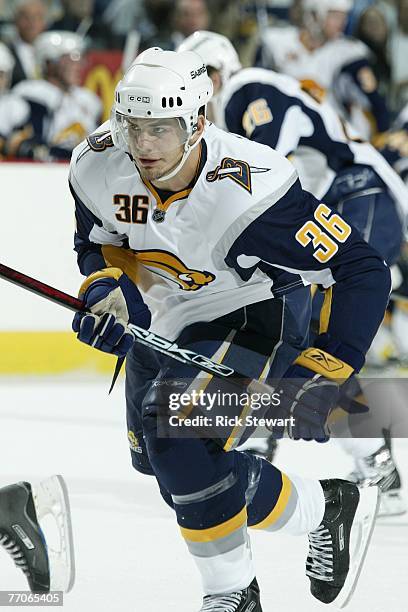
pixel 334 24
pixel 4 81
pixel 69 68
pixel 156 145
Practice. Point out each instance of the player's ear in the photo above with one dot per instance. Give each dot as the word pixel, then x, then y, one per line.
pixel 199 130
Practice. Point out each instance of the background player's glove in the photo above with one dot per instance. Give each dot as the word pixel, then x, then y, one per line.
pixel 310 391
pixel 113 301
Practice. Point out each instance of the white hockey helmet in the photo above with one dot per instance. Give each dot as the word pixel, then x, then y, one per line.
pixel 51 46
pixel 162 85
pixel 216 50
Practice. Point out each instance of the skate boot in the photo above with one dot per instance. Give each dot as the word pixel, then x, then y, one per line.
pixel 337 548
pixel 22 506
pixel 246 600
pixel 379 469
pixel 21 535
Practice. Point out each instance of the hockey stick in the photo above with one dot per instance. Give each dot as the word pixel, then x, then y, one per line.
pixel 143 336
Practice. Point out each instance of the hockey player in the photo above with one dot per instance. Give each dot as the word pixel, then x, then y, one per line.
pixel 325 61
pixel 61 112
pixel 345 173
pixel 13 110
pixel 199 235
pixel 22 507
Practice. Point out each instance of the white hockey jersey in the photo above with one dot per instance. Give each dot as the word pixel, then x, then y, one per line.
pixel 13 116
pixel 229 240
pixel 59 119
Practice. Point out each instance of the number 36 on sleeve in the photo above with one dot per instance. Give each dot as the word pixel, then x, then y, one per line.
pixel 324 242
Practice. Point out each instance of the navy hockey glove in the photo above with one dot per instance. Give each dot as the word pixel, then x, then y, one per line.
pixel 113 301
pixel 310 391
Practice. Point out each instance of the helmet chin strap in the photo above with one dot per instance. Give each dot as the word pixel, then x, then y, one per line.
pixel 187 150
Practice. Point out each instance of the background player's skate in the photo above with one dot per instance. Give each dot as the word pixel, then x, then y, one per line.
pixel 379 468
pixel 26 512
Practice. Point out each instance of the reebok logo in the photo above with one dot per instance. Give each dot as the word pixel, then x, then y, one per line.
pixel 329 363
pixel 250 607
pixel 341 537
pixel 23 536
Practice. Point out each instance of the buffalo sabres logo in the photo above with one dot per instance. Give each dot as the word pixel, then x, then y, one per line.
pixel 173 269
pixel 100 141
pixel 237 170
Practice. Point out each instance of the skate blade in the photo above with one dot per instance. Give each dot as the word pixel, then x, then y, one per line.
pixel 360 536
pixel 51 500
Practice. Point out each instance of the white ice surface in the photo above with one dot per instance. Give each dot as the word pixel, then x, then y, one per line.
pixel 129 554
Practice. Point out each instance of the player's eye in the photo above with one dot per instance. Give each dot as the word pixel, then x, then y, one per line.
pixel 159 130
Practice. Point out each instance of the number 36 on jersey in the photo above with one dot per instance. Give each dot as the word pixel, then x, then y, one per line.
pixel 324 233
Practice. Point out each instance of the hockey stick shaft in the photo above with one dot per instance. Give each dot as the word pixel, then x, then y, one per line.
pixel 39 288
pixel 143 336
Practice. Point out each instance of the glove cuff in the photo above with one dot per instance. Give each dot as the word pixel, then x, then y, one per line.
pixel 114 273
pixel 323 363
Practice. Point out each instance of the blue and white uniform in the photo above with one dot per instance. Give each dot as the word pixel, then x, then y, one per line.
pixel 215 268
pixel 56 121
pixel 333 164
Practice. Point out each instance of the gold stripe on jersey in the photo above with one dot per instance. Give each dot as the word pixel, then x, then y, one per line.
pixel 126 260
pixel 179 195
pixel 204 378
pixel 326 311
pixel 219 531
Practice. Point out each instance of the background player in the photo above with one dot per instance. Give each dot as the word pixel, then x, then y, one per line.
pixel 61 112
pixel 329 63
pixel 346 173
pixel 13 110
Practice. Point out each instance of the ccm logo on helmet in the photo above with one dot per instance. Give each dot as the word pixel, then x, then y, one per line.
pixel 195 73
pixel 144 99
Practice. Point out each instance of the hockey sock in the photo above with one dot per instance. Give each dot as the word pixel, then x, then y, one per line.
pixel 285 503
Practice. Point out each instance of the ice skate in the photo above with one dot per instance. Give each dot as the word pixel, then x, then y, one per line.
pixel 246 600
pixel 337 548
pixel 22 506
pixel 379 469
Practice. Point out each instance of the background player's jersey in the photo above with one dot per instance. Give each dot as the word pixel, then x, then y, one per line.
pixel 340 68
pixel 273 109
pixel 394 144
pixel 57 120
pixel 282 49
pixel 13 115
pixel 228 241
